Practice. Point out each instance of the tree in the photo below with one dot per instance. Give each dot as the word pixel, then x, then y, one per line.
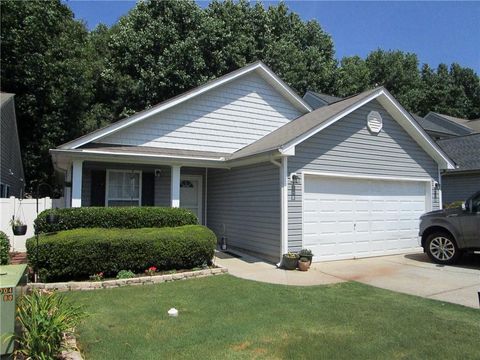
pixel 353 76
pixel 43 63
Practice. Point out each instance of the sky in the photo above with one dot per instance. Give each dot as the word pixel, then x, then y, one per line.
pixel 438 32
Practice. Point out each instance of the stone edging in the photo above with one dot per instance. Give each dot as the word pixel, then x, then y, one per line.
pixel 73 354
pixel 143 280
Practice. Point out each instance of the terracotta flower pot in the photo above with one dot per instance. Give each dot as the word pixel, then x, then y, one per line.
pixel 303 265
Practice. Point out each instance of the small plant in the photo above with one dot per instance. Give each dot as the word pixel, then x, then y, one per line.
pixel 96 277
pixel 4 248
pixel 151 271
pixel 289 261
pixel 172 271
pixel 125 274
pixel 45 319
pixel 305 252
pixel 16 222
pixel 291 255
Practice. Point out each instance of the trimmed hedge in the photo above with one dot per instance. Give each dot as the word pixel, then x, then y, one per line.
pixel 4 248
pixel 76 254
pixel 114 217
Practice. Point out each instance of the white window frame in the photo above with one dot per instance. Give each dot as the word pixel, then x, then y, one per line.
pixel 107 199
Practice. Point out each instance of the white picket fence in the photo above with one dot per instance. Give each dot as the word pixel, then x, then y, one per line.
pixel 26 211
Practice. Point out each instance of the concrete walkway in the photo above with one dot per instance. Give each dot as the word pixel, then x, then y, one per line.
pixel 408 273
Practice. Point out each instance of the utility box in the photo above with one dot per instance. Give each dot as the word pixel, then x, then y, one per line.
pixel 12 278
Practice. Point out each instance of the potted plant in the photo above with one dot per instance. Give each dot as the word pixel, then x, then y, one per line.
pixel 304 264
pixel 306 253
pixel 18 227
pixel 289 261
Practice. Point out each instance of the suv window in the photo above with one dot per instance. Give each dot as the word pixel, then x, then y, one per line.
pixel 476 204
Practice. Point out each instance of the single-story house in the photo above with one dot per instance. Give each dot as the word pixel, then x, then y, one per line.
pixel 11 168
pixel 264 170
pixel 460 183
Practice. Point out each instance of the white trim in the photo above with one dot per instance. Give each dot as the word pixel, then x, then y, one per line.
pixel 362 176
pixel 424 141
pixel 199 179
pixel 77 178
pixel 302 174
pixel 206 196
pixel 284 206
pixel 440 195
pixel 175 186
pixel 425 136
pixel 275 81
pixel 308 134
pixel 107 178
pixel 68 190
pixel 429 196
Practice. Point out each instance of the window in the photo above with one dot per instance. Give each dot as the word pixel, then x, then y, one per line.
pixel 186 184
pixel 123 188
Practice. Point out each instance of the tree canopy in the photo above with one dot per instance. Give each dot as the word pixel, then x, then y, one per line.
pixel 69 81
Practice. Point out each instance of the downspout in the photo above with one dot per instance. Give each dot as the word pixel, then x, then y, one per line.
pixel 206 195
pixel 440 196
pixel 283 167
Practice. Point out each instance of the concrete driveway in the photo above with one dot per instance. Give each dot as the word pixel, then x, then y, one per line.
pixel 407 273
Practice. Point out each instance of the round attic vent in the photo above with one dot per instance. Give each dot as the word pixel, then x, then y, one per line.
pixel 374 122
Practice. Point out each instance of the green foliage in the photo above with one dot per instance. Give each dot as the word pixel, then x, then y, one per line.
pixel 4 248
pixel 305 252
pixel 45 318
pixel 454 204
pixel 114 217
pixel 76 254
pixel 125 274
pixel 69 81
pixel 304 259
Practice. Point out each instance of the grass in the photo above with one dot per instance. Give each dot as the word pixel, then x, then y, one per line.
pixel 223 317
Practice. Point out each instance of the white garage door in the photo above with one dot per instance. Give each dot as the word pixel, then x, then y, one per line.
pixel 348 218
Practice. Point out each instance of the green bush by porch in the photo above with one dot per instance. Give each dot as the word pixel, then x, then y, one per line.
pixel 76 254
pixel 114 217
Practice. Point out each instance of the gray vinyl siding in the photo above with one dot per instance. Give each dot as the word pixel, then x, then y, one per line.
pixel 244 205
pixel 10 156
pixel 224 119
pixel 458 187
pixel 161 186
pixel 348 147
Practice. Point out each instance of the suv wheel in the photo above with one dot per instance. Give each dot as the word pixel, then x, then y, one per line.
pixel 442 248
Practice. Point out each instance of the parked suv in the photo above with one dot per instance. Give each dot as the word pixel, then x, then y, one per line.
pixel 447 233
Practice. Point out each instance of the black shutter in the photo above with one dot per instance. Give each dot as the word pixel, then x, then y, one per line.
pixel 97 190
pixel 148 189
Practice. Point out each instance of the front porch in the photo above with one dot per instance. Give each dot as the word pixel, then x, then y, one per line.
pixel 95 183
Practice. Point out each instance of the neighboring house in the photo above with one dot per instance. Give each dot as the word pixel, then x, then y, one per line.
pixel 11 168
pixel 260 168
pixel 464 181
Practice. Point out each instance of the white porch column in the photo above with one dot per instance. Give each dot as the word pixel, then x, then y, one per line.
pixel 175 187
pixel 77 183
pixel 68 189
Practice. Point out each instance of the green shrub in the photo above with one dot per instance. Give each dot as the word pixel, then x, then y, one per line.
pixel 125 274
pixel 455 204
pixel 114 217
pixel 44 319
pixel 4 248
pixel 76 254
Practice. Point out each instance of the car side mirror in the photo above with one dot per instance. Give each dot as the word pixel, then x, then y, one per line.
pixel 464 206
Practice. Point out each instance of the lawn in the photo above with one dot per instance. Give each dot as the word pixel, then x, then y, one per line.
pixel 223 317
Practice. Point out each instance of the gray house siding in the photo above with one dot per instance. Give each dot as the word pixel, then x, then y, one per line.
pixel 348 147
pixel 456 186
pixel 244 205
pixel 11 168
pixel 161 183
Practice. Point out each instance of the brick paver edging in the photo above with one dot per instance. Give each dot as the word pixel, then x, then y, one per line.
pixel 143 280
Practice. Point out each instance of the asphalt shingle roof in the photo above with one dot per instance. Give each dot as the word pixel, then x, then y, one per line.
pixel 464 150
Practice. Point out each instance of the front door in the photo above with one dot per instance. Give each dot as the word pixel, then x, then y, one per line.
pixel 191 194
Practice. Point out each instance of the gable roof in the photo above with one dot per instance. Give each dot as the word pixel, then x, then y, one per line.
pixel 4 97
pixel 464 150
pixel 450 126
pixel 432 126
pixel 316 100
pixel 293 133
pixel 258 67
pixel 300 126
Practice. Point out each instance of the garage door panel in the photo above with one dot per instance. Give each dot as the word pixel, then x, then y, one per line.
pixel 358 217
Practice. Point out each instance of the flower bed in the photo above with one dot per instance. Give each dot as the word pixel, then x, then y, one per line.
pixel 139 280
